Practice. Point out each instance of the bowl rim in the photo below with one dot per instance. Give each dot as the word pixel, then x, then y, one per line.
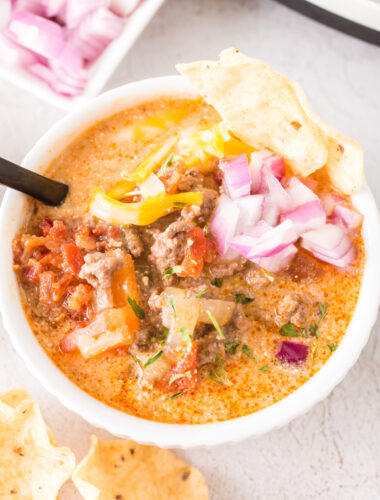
pixel 144 431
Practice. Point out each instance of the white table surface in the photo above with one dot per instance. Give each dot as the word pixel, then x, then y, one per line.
pixel 332 452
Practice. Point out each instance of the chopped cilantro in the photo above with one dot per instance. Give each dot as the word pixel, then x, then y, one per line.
pixel 231 347
pixel 218 374
pixel 172 303
pixel 288 330
pixel 178 376
pixel 153 358
pixel 174 396
pixel 199 294
pixel 171 270
pixel 248 352
pixel 179 204
pixel 165 333
pixel 134 358
pixel 139 312
pixel 303 332
pixel 189 242
pixel 314 350
pixel 314 329
pixel 332 347
pixel 264 369
pixel 169 161
pixel 185 335
pixel 323 310
pixel 207 354
pixel 215 323
pixel 243 299
pixel 217 282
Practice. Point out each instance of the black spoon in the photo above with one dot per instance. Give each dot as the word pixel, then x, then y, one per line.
pixel 43 189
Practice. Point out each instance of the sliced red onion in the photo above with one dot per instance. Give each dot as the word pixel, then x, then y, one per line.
pixel 13 54
pixel 36 7
pixel 95 32
pixel 37 34
pixel 271 213
pixel 236 176
pixel 307 216
pixel 53 7
pixel 277 193
pixel 277 262
pixel 77 10
pixel 68 88
pixel 223 223
pixel 292 352
pixel 250 212
pixel 329 201
pixel 299 193
pixel 262 162
pixel 346 218
pixel 266 245
pixel 330 244
pixel 5 13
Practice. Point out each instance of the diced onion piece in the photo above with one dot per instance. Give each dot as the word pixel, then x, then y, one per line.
pixel 271 213
pixel 92 346
pixel 236 177
pixel 277 262
pixel 69 88
pixel 299 193
pixel 152 186
pixel 251 210
pixel 33 6
pixel 329 201
pixel 53 7
pixel 180 314
pixel 123 7
pixel 306 217
pixel 95 32
pixel 13 54
pixel 221 310
pixel 330 244
pixel 277 194
pixel 271 242
pixel 262 162
pixel 76 10
pixel 37 34
pixel 223 223
pixel 292 352
pixel 346 218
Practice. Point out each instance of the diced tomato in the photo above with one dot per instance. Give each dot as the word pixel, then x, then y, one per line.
pixel 17 249
pixel 187 366
pixel 45 225
pixel 84 238
pixel 31 272
pixel 98 230
pixel 58 230
pixel 171 177
pixel 113 232
pixel 195 251
pixel 78 297
pixel 46 287
pixel 61 285
pixel 211 251
pixel 73 258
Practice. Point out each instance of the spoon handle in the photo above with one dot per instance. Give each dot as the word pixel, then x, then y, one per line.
pixel 46 190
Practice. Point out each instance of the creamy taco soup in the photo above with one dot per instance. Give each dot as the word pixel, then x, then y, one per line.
pixel 189 277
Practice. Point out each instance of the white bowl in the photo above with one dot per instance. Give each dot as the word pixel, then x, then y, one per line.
pixel 119 423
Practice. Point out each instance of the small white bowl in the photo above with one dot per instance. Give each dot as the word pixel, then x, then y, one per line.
pixel 99 71
pixel 121 424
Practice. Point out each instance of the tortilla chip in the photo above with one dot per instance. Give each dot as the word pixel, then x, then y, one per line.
pixel 31 466
pixel 124 470
pixel 267 110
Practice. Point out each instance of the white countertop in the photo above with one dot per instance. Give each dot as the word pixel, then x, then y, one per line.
pixel 332 452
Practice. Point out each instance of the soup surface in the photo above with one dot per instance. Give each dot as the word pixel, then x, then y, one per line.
pixel 151 319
